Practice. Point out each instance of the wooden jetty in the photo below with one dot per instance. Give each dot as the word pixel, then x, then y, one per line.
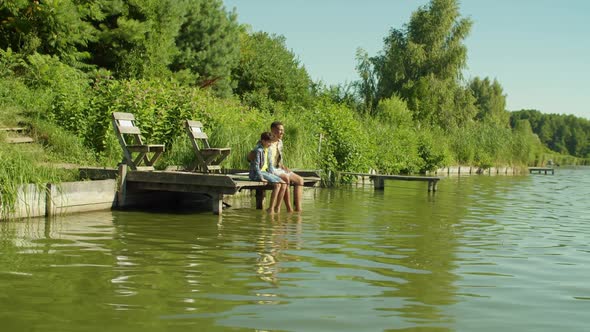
pixel 379 179
pixel 540 170
pixel 131 182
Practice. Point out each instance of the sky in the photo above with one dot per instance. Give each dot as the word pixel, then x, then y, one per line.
pixel 538 50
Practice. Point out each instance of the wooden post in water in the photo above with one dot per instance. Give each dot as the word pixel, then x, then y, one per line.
pixel 122 185
pixel 432 186
pixel 379 183
pixel 259 199
pixel 217 203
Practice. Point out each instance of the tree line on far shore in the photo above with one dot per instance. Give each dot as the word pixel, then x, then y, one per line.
pixel 562 133
pixel 71 63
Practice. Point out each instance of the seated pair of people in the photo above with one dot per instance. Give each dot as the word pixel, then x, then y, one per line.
pixel 266 167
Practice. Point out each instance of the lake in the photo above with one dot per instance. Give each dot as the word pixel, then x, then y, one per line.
pixel 484 253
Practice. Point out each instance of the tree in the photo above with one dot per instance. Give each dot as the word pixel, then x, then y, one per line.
pixel 269 71
pixel 367 86
pixel 136 38
pixel 490 101
pixel 394 111
pixel 208 45
pixel 47 27
pixel 428 54
pixel 440 102
pixel 561 133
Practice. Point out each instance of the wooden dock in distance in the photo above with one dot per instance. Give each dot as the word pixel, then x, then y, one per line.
pixel 131 182
pixel 379 179
pixel 540 170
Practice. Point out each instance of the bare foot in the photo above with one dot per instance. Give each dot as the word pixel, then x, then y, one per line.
pixel 269 211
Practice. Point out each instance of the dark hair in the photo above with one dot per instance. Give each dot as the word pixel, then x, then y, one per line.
pixel 276 124
pixel 266 136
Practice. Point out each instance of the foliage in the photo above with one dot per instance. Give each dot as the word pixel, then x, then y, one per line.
pixel 345 145
pixel 68 87
pixel 14 93
pixel 18 167
pixel 490 101
pixel 135 38
pixel 10 62
pixel 47 27
pixel 343 93
pixel 423 62
pixel 267 70
pixel 208 45
pixel 59 145
pixel 396 148
pixel 486 145
pixel 566 134
pixel 432 150
pixel 32 163
pixel 367 85
pixel 526 146
pixel 394 111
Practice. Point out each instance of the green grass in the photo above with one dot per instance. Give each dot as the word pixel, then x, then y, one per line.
pixel 36 163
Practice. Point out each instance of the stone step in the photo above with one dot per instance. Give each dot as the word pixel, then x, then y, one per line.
pixel 17 129
pixel 19 140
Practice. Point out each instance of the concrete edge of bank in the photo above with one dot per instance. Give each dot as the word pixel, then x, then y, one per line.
pixel 63 198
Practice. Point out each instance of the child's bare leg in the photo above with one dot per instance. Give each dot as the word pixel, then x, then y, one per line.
pixel 282 189
pixel 273 197
pixel 287 195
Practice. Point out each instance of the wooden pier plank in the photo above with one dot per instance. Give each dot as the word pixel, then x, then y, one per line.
pixel 379 179
pixel 541 170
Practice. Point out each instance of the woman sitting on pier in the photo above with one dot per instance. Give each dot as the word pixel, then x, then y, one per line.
pixel 262 169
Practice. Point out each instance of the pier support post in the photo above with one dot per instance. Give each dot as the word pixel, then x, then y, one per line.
pixel 432 186
pixel 259 199
pixel 217 203
pixel 122 185
pixel 379 183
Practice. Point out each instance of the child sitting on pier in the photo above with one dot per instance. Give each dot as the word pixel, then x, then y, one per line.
pixel 261 169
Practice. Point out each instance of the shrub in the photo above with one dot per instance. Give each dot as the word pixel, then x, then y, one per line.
pixel 345 145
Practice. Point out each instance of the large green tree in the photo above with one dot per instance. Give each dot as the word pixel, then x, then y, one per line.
pixel 208 45
pixel 136 38
pixel 47 27
pixel 269 71
pixel 490 101
pixel 423 64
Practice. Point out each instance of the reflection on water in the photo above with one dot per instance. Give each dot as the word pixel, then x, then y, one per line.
pixel 483 253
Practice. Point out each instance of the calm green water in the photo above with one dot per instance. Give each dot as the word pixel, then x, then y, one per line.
pixel 482 254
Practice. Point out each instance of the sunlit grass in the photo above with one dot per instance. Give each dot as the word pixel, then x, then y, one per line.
pixel 34 163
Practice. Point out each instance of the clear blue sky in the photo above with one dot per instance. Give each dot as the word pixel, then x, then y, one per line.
pixel 539 50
